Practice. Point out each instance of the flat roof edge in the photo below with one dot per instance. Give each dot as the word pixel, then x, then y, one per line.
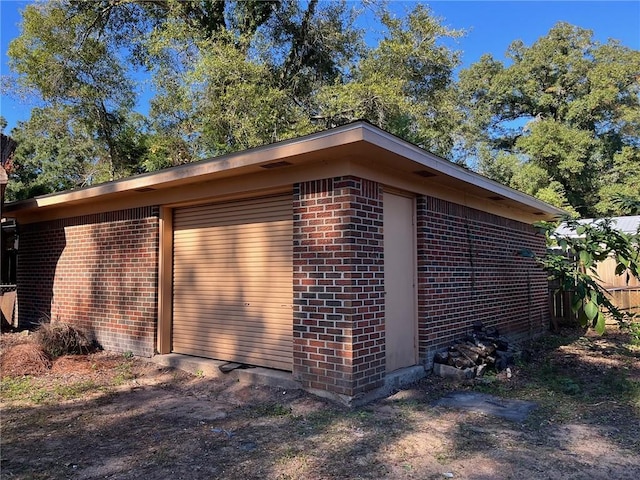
pixel 408 150
pixel 263 154
pixel 340 136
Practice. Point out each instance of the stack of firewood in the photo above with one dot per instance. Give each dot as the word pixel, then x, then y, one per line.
pixel 483 349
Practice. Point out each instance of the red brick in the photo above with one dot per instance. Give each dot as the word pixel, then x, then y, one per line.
pixel 98 272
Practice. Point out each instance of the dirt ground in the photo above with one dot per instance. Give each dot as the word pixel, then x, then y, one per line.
pixel 108 416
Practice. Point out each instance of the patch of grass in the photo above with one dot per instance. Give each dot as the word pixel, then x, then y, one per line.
pixel 442 457
pixel 489 383
pixel 411 405
pixel 552 341
pixel 614 384
pixel 315 422
pixel 270 410
pixel 15 388
pixel 125 372
pixel 21 389
pixel 564 377
pixel 634 330
pixel 473 438
pixel 405 410
pixel 363 415
pixel 162 456
pixel 566 385
pixel 28 389
pixel 40 396
pixel 542 376
pixel 75 390
pixel 288 453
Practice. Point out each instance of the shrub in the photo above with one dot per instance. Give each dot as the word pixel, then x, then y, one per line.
pixel 57 339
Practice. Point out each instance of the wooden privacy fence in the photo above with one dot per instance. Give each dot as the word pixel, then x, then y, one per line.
pixel 624 293
pixel 607 277
pixel 560 306
pixel 627 299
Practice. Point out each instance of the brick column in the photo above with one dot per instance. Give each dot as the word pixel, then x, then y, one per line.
pixel 338 331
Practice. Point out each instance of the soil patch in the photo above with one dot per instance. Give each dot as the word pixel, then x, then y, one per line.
pixel 514 410
pixel 108 416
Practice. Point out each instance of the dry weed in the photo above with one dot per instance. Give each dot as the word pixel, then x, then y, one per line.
pixel 24 359
pixel 58 339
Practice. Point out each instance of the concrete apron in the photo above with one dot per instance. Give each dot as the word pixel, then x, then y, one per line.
pixel 207 367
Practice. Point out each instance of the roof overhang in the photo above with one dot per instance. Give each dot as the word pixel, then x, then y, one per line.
pixel 359 143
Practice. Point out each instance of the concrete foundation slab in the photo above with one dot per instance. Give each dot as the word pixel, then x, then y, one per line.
pixel 394 381
pixel 211 368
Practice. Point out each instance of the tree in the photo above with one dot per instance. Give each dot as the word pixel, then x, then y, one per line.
pixel 55 151
pixel 572 263
pixel 7 148
pixel 63 55
pixel 620 192
pixel 227 75
pixel 306 68
pixel 404 85
pixel 567 107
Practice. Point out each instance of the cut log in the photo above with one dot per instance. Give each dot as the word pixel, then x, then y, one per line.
pixel 462 362
pixel 468 354
pixel 472 347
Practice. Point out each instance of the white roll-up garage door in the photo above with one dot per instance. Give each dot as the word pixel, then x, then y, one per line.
pixel 233 281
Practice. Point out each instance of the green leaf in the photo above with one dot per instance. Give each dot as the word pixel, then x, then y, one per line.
pixel 620 269
pixel 582 318
pixel 600 326
pixel 576 304
pixel 586 258
pixel 623 260
pixel 591 310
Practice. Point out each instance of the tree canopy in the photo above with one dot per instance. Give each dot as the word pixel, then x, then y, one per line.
pixel 558 119
pixel 226 76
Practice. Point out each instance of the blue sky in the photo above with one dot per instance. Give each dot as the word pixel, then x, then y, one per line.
pixel 491 26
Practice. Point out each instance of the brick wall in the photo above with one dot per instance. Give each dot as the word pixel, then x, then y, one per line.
pixel 98 272
pixel 338 331
pixel 469 269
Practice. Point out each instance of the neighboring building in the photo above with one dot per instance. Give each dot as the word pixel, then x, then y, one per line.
pixel 629 225
pixel 341 256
